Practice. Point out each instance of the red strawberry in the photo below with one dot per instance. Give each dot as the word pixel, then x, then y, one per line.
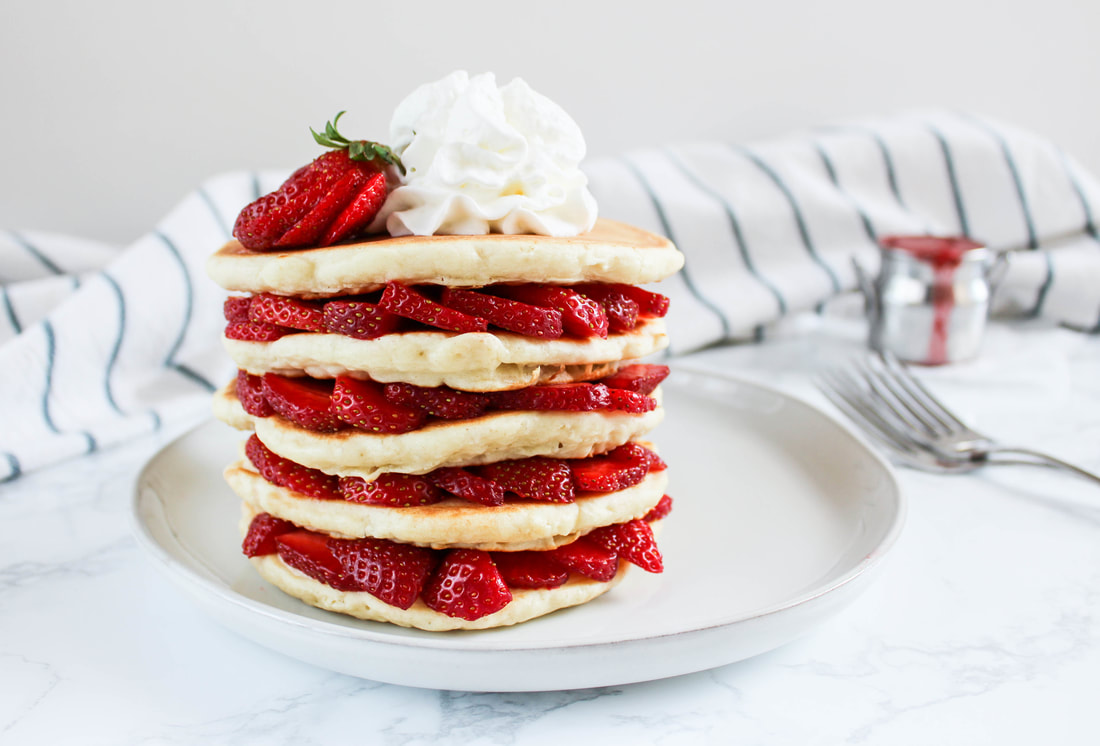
pixel 560 397
pixel 394 573
pixel 631 402
pixel 358 319
pixel 323 213
pixel 236 307
pixel 440 401
pixel 522 318
pixel 580 316
pixel 466 585
pixel 363 404
pixel 262 532
pixel 412 304
pixel 248 331
pixel 649 304
pixel 289 312
pixel 467 485
pixel 537 478
pixel 638 454
pixel 311 553
pixel 392 488
pixel 285 473
pixel 587 558
pixel 660 510
pixel 306 402
pixel 621 310
pixel 633 541
pixel 357 215
pixel 529 570
pixel 606 473
pixel 640 377
pixel 332 198
pixel 250 393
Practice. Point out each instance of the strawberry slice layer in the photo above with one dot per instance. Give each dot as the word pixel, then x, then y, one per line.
pixel 561 397
pixel 467 485
pixel 639 378
pixel 512 315
pixel 261 535
pixel 363 404
pixel 286 312
pixel 393 489
pixel 303 401
pixel 633 541
pixel 530 570
pixel 358 319
pixel 408 302
pixel 587 558
pixel 392 572
pixel 580 315
pixel 445 403
pixel 467 585
pixel 286 473
pixel 537 478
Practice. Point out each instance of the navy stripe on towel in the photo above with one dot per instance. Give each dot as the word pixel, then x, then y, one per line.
pixel 952 177
pixel 666 227
pixel 189 300
pixel 218 218
pixel 1041 295
pixel 44 260
pixel 51 357
pixel 9 310
pixel 830 170
pixel 118 342
pixel 735 228
pixel 800 220
pixel 14 468
pixel 1017 182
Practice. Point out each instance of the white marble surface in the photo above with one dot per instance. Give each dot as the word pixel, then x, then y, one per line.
pixel 984 627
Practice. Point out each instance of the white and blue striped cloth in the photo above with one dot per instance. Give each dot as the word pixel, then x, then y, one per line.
pixel 99 345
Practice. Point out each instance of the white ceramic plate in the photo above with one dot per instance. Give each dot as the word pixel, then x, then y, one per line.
pixel 780 517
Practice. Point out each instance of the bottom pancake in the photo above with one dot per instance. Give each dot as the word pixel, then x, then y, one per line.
pixel 526 603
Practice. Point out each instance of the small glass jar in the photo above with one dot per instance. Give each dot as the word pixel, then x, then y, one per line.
pixel 930 300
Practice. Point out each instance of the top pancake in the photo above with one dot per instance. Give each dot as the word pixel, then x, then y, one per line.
pixel 610 252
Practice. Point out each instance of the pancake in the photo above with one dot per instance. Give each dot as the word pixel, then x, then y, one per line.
pixel 496 436
pixel 610 252
pixel 454 522
pixel 471 362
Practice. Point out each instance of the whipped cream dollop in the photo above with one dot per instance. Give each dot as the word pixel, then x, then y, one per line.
pixel 486 159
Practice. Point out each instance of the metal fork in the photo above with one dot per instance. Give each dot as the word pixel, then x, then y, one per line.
pixel 881 396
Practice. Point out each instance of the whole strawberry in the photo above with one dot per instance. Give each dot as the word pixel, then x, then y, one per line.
pixel 333 198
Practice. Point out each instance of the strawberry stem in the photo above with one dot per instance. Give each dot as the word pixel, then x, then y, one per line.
pixel 358 150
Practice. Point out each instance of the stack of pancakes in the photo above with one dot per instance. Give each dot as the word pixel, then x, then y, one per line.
pixel 484 362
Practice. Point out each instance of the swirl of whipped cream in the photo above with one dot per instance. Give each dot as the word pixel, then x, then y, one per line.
pixel 482 159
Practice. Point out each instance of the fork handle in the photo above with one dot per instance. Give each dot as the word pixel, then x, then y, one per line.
pixel 1039 458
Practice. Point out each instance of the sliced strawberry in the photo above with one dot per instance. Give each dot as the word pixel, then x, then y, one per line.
pixel 606 473
pixel 522 318
pixel 250 393
pixel 536 478
pixel 529 570
pixel 640 378
pixel 587 558
pixel 580 316
pixel 631 402
pixel 649 304
pixel 621 309
pixel 363 404
pixel 638 454
pixel 660 510
pixel 412 304
pixel 439 401
pixel 311 553
pixel 466 585
pixel 306 402
pixel 358 214
pixel 358 319
pixel 262 223
pixel 560 397
pixel 392 488
pixel 467 485
pixel 393 573
pixel 248 331
pixel 633 541
pixel 236 307
pixel 262 532
pixel 313 224
pixel 289 312
pixel 286 473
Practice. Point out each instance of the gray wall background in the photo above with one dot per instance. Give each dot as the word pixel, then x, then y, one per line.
pixel 114 110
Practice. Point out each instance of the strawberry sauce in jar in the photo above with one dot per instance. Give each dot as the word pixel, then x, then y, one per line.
pixel 931 298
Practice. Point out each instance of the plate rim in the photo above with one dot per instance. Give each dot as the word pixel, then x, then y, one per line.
pixel 483 643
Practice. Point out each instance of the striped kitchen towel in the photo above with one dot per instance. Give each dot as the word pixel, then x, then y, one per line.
pixel 100 345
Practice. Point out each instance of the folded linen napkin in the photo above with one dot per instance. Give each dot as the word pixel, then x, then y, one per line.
pixel 99 345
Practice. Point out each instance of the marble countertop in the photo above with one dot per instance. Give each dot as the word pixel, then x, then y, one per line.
pixel 984 626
